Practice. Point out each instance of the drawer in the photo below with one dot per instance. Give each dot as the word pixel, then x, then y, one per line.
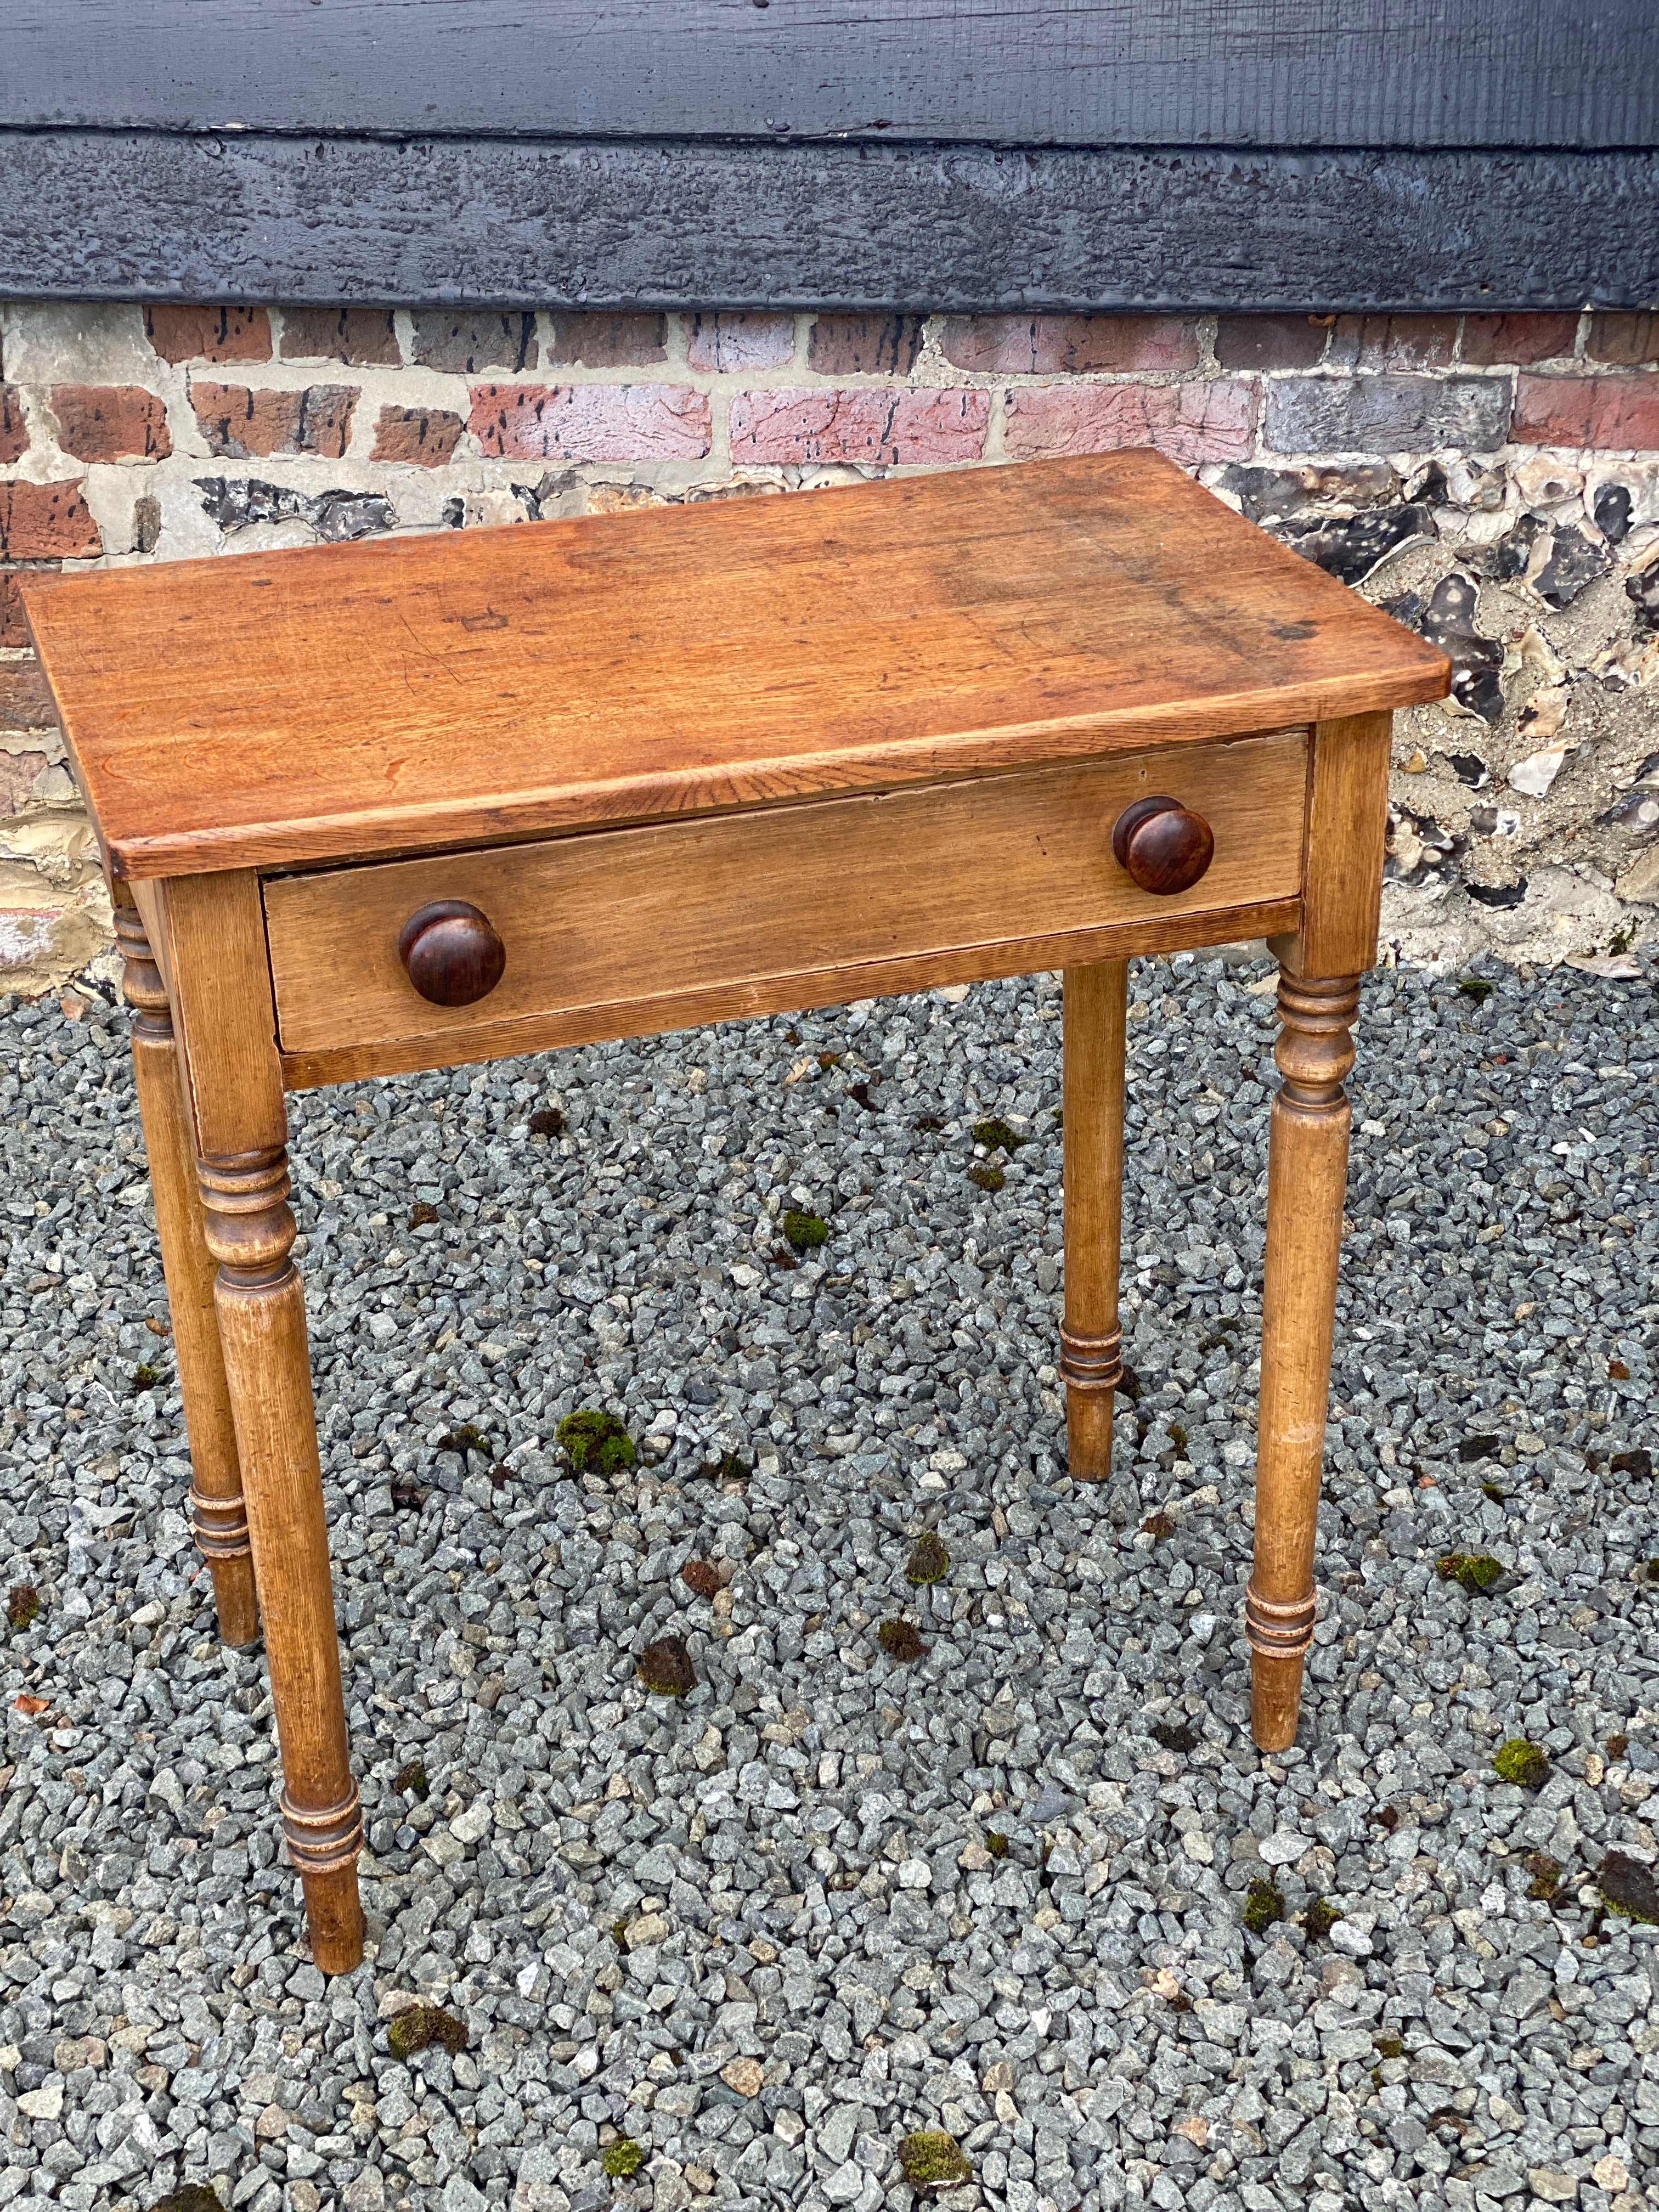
pixel 778 908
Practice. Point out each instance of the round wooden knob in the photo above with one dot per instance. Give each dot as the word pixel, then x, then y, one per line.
pixel 452 955
pixel 1163 845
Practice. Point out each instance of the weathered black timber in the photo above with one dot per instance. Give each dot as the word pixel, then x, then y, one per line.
pixel 514 224
pixel 1526 73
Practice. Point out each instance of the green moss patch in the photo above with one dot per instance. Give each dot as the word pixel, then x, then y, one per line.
pixel 466 1437
pixel 665 1667
pixel 146 1377
pixel 419 2026
pixel 984 1178
pixel 932 2159
pixel 1264 1903
pixel 1319 1919
pixel 900 1640
pixel 1545 1874
pixel 622 2158
pixel 806 1231
pixel 1473 1571
pixel 998 1136
pixel 412 1780
pixel 1522 1762
pixel 22 1605
pixel 996 1844
pixel 929 1561
pixel 595 1443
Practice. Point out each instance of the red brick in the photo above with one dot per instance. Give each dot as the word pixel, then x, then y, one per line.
pixel 467 343
pixel 590 422
pixel 605 342
pixel 46 522
pixel 740 342
pixel 25 702
pixel 1491 341
pixel 1391 341
pixel 111 423
pixel 425 436
pixel 210 333
pixel 864 345
pixel 1616 412
pixel 14 630
pixel 13 431
pixel 242 425
pixel 1271 341
pixel 1626 341
pixel 864 424
pixel 1191 423
pixel 1053 345
pixel 366 336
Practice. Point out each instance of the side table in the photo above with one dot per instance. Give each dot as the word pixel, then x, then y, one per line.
pixel 427 800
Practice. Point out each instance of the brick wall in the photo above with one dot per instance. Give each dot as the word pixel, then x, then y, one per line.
pixel 1493 479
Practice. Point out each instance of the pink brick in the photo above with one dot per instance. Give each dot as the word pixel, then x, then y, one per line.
pixel 866 425
pixel 590 422
pixel 1616 412
pixel 740 342
pixel 1191 423
pixel 1046 345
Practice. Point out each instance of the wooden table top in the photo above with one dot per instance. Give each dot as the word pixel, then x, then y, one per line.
pixel 408 693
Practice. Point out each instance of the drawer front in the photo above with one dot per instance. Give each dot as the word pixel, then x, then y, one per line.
pixel 628 916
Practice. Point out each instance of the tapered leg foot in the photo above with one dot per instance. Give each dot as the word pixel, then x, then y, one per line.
pixel 1090 1340
pixel 218 1514
pixel 262 1326
pixel 1307 1173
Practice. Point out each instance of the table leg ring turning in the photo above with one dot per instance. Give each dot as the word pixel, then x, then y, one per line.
pixel 1279 1630
pixel 322 1841
pixel 220 1525
pixel 1090 1363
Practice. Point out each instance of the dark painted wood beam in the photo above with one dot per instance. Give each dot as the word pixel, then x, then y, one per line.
pixel 1526 74
pixel 552 223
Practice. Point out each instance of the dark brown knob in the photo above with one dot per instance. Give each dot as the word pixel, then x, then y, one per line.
pixel 452 955
pixel 1163 845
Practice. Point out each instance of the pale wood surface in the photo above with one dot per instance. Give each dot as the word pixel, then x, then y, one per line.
pixel 1095 1006
pixel 1347 830
pixel 213 928
pixel 464 688
pixel 224 1007
pixel 667 912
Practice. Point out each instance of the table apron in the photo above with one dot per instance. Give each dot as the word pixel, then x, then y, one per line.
pixel 633 932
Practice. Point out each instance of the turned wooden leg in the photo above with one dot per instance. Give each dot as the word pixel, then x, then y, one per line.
pixel 1307 1174
pixel 1091 1341
pixel 220 978
pixel 216 1510
pixel 262 1322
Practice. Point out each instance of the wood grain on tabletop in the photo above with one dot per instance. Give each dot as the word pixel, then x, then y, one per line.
pixel 445 688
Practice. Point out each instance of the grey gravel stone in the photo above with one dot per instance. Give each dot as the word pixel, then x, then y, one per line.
pixel 826 1899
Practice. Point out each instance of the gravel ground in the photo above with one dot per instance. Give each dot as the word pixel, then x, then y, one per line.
pixel 828 1898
